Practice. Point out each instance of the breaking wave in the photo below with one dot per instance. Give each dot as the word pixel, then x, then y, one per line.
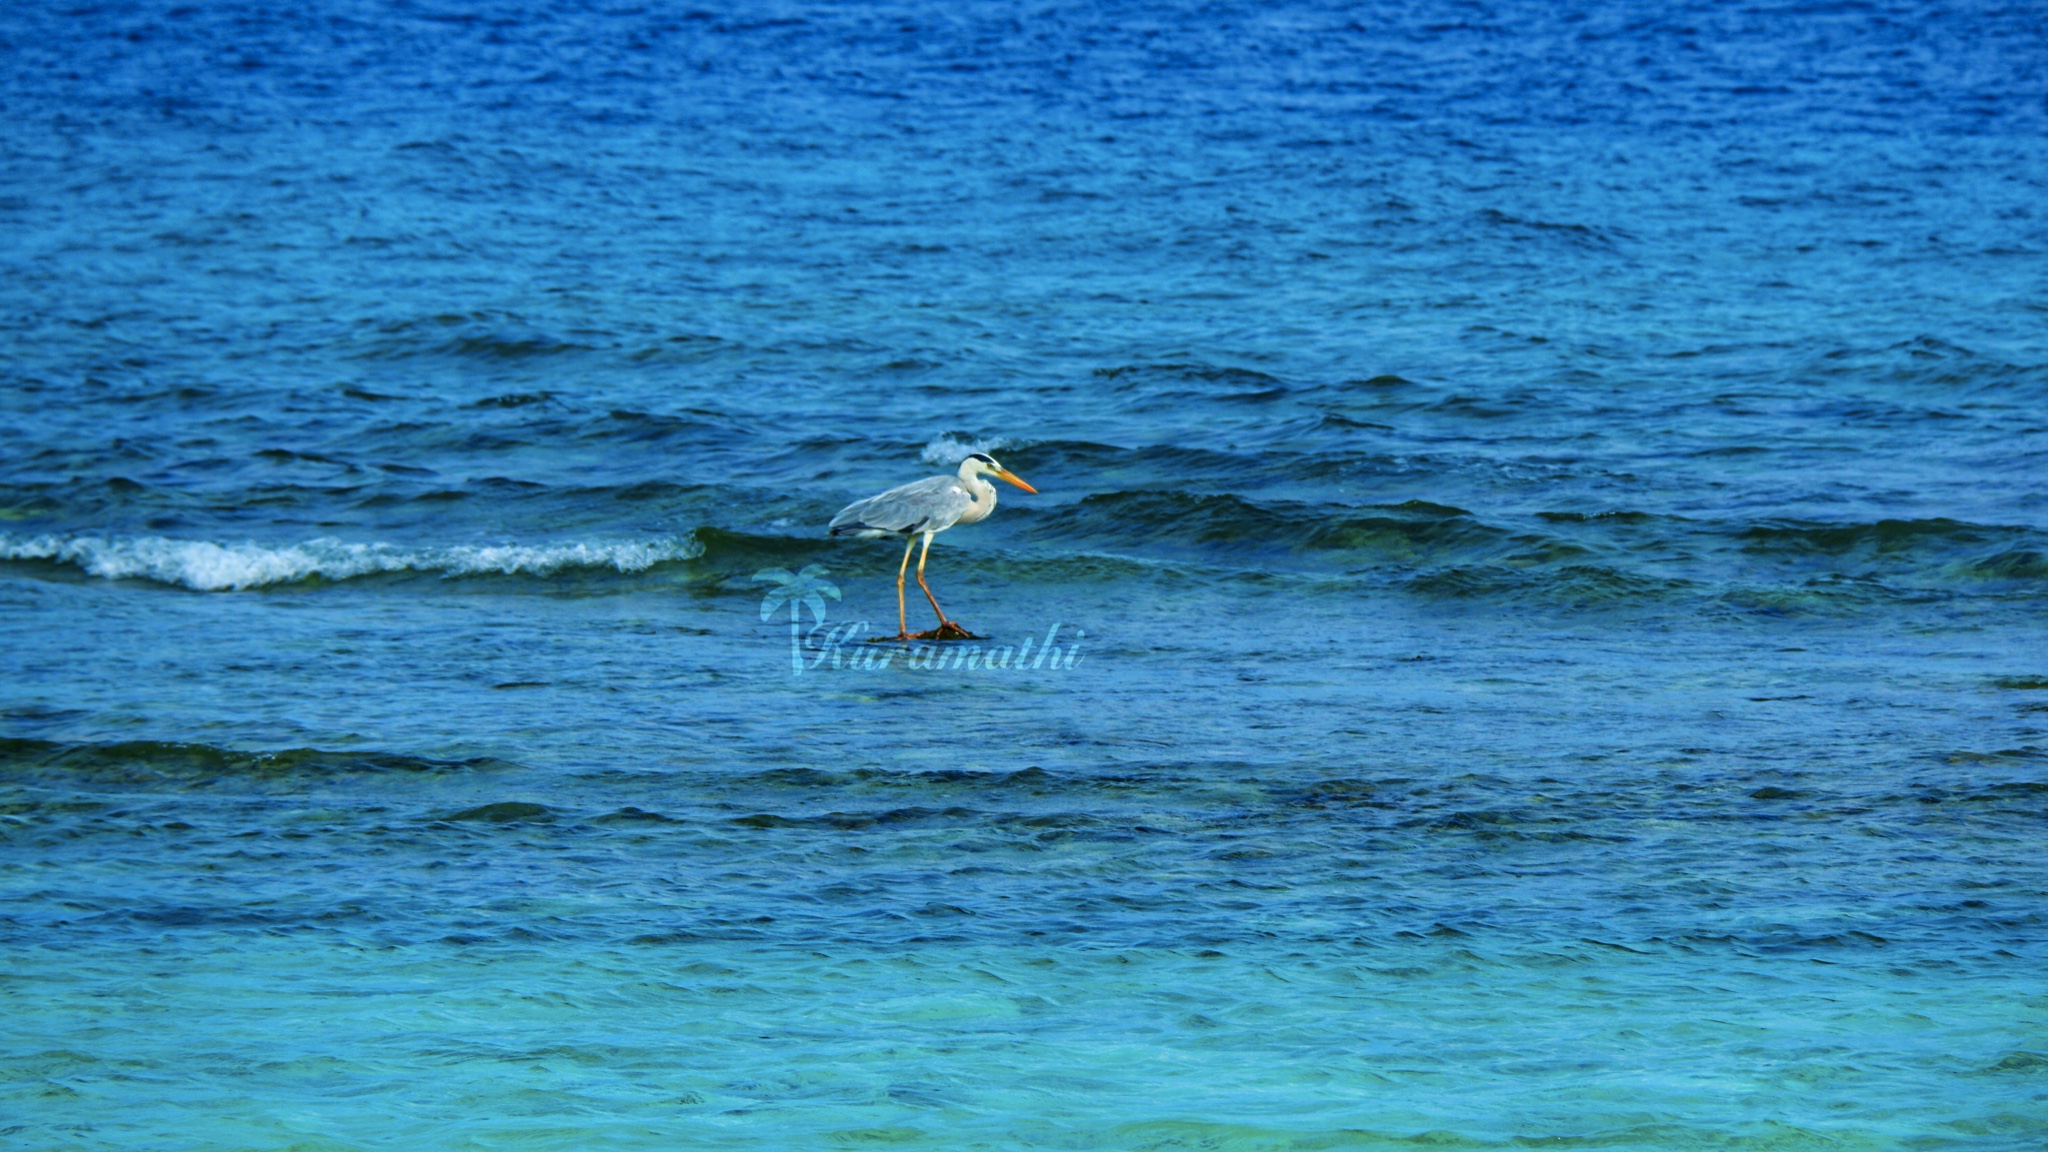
pixel 205 566
pixel 947 449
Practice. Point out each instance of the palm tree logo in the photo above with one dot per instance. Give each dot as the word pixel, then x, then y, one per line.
pixel 799 590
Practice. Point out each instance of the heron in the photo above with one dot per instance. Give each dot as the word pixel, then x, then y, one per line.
pixel 926 508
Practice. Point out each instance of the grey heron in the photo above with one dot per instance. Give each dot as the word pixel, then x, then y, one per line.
pixel 926 508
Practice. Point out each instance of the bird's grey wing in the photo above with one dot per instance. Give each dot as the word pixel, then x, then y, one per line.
pixel 921 505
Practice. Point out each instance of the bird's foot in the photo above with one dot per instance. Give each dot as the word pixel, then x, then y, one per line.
pixel 949 630
pixel 899 638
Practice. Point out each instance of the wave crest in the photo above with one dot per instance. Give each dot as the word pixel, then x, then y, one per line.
pixel 947 449
pixel 204 566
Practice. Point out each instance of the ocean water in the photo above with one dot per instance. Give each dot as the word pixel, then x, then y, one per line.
pixel 1535 603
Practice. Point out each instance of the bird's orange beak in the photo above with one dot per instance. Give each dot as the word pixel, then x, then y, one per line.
pixel 1012 477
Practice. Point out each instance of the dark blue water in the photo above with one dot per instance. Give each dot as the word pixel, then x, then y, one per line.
pixel 1543 522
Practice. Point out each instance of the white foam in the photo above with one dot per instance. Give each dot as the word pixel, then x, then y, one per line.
pixel 208 567
pixel 946 450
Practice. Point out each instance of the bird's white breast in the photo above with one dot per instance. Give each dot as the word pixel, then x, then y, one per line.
pixel 983 494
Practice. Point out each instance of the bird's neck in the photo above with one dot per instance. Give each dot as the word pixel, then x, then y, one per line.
pixel 977 486
pixel 984 494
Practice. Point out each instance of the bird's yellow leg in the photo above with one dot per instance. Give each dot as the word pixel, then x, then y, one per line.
pixel 928 588
pixel 947 629
pixel 903 617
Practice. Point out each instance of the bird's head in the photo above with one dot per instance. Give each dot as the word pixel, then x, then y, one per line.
pixel 979 463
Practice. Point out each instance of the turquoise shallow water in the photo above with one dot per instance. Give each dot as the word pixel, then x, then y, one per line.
pixel 1542 516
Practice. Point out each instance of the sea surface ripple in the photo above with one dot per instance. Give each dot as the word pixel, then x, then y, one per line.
pixel 1531 633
